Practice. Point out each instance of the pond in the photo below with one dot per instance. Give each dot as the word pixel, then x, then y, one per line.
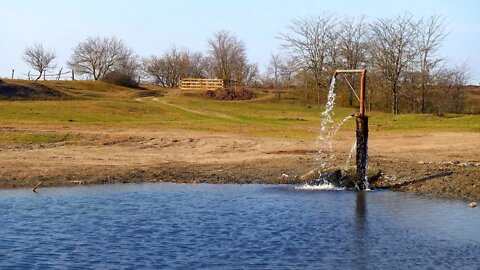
pixel 180 226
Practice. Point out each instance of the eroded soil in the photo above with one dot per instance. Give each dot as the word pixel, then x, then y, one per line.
pixel 444 164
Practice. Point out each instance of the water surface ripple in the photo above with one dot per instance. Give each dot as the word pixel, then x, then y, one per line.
pixel 169 226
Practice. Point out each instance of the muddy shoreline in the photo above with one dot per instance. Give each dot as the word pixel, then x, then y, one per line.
pixel 123 156
pixel 445 180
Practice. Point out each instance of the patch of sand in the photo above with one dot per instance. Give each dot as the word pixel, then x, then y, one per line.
pixel 104 156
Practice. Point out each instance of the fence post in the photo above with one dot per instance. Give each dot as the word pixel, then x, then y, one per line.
pixel 13 73
pixel 29 75
pixel 59 74
pixel 73 75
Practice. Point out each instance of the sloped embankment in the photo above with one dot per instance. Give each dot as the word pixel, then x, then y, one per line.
pixel 13 91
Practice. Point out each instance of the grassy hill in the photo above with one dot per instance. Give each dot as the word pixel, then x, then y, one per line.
pixel 472 99
pixel 88 103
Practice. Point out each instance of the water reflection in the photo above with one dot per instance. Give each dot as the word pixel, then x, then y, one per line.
pixel 171 226
pixel 361 210
pixel 360 231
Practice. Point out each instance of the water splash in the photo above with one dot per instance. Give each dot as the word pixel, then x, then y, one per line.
pixel 365 180
pixel 325 156
pixel 328 113
pixel 347 163
pixel 324 138
pixel 324 186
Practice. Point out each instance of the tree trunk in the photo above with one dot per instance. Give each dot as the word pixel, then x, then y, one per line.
pixel 39 76
pixel 424 78
pixel 317 87
pixel 395 99
pixel 318 96
pixel 306 91
pixel 423 98
pixel 306 96
pixel 424 92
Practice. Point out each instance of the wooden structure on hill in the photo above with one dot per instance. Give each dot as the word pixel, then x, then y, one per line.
pixel 201 84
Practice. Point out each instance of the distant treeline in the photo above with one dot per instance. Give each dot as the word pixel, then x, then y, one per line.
pixel 405 71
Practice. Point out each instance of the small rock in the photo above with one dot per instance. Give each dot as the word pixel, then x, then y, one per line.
pixel 311 175
pixel 472 204
pixel 284 176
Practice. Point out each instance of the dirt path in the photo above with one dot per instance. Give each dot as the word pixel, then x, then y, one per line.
pixel 447 164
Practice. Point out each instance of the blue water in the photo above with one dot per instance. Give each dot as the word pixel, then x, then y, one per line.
pixel 169 226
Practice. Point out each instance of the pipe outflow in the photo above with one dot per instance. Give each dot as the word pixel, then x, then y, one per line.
pixel 361 131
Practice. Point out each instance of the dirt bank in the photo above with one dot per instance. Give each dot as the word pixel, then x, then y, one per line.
pixel 13 91
pixel 445 164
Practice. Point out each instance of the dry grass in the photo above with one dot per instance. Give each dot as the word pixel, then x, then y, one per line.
pixel 109 106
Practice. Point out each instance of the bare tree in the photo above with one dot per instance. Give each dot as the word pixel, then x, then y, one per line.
pixel 174 64
pixel 97 56
pixel 154 67
pixel 228 56
pixel 250 73
pixel 198 65
pixel 393 49
pixel 274 67
pixel 129 66
pixel 289 67
pixel 432 32
pixel 309 40
pixel 39 59
pixel 450 95
pixel 353 45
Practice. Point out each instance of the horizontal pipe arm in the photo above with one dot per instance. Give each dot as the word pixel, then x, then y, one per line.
pixel 349 70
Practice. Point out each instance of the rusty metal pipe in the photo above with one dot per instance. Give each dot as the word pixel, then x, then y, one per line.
pixel 347 71
pixel 362 130
pixel 362 85
pixel 362 92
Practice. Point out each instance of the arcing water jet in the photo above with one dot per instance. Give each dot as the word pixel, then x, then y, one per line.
pixel 361 131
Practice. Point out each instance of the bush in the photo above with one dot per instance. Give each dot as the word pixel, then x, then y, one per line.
pixel 120 78
pixel 229 94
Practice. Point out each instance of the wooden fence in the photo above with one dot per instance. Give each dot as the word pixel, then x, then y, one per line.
pixel 201 84
pixel 55 76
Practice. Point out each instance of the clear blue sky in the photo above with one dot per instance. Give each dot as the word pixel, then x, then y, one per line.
pixel 150 26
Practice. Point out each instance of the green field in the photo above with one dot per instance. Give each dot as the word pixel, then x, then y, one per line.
pixel 101 105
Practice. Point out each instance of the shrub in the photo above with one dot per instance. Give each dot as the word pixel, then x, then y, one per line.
pixel 229 94
pixel 120 78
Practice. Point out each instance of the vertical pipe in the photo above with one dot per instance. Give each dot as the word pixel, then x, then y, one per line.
pixel 361 132
pixel 362 92
pixel 362 151
pixel 362 137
